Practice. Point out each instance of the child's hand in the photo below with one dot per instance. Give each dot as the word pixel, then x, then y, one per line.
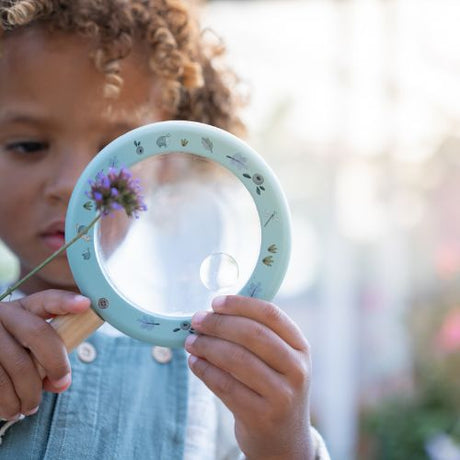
pixel 25 336
pixel 256 360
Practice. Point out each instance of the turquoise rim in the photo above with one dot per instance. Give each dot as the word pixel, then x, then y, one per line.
pixel 190 138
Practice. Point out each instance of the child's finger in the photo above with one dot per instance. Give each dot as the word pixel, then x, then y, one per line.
pixel 22 372
pixel 239 399
pixel 36 335
pixel 10 406
pixel 236 360
pixel 47 304
pixel 265 313
pixel 254 336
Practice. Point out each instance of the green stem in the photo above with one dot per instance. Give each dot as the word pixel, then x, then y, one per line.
pixel 82 232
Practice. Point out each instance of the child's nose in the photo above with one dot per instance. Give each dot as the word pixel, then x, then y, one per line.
pixel 65 175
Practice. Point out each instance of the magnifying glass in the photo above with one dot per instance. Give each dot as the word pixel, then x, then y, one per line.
pixel 217 222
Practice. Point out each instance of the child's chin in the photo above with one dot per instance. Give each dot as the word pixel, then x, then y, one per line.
pixel 59 277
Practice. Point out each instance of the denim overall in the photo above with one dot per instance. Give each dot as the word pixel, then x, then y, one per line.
pixel 123 405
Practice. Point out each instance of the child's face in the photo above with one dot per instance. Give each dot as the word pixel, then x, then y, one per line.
pixel 53 120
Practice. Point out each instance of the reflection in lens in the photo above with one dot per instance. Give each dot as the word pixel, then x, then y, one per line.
pixel 219 271
pixel 199 237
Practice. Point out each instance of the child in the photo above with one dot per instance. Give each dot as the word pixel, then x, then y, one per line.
pixel 74 74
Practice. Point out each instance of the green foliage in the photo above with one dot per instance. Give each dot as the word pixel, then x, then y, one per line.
pixel 400 427
pixel 8 265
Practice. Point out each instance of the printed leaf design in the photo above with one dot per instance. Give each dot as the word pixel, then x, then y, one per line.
pixel 268 261
pixel 273 249
pixel 207 144
pixel 147 322
pixel 184 142
pixel 88 205
pixel 255 289
pixel 271 216
pixel 113 163
pixel 238 160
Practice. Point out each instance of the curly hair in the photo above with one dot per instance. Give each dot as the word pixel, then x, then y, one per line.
pixel 179 55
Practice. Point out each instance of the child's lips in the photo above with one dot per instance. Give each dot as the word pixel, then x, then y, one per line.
pixel 53 236
pixel 54 240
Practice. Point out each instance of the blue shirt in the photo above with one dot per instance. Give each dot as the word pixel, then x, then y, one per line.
pixel 123 405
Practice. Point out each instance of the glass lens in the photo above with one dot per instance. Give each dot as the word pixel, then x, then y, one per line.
pixel 199 238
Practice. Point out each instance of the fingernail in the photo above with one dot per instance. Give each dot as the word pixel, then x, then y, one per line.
pixel 189 341
pixel 15 418
pixel 198 318
pixel 62 383
pixel 32 412
pixel 219 302
pixel 79 298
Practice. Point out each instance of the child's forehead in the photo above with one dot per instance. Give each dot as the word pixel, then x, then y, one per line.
pixel 43 70
pixel 40 40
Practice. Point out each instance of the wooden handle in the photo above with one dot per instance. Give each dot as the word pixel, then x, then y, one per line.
pixel 73 329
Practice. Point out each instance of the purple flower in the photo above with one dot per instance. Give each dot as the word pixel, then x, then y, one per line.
pixel 117 190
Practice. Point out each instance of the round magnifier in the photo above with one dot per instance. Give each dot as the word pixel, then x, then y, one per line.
pixel 216 223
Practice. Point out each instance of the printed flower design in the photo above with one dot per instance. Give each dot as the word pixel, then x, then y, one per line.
pixel 184 326
pixel 117 190
pixel 258 179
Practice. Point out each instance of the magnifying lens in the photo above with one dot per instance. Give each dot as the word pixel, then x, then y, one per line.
pixel 216 223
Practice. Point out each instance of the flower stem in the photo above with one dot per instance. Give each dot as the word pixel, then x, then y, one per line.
pixel 82 232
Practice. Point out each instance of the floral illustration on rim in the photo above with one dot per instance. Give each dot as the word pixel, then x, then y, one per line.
pixel 185 326
pixel 258 179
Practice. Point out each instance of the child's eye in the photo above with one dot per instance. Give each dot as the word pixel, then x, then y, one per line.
pixel 26 146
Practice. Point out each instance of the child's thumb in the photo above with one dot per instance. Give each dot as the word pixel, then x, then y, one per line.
pixel 53 302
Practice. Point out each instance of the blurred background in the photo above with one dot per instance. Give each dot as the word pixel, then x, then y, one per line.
pixel 355 104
